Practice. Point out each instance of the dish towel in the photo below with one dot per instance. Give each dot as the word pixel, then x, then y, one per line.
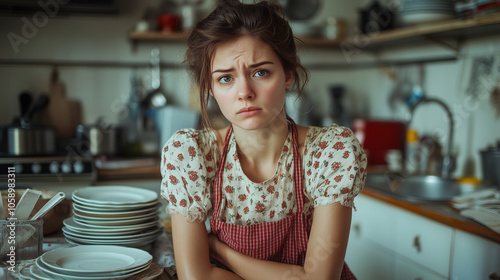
pixel 482 206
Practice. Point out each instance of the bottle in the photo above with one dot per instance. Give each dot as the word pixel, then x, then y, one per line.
pixel 412 162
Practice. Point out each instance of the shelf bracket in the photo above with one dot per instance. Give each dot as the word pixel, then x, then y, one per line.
pixel 454 47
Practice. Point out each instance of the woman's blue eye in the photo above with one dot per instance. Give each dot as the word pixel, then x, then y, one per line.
pixel 225 79
pixel 261 73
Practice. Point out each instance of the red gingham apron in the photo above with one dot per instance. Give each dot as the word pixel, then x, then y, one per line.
pixel 283 241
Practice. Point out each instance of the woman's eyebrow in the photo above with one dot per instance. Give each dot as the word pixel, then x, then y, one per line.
pixel 251 66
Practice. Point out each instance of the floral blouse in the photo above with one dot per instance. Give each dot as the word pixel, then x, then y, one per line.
pixel 334 167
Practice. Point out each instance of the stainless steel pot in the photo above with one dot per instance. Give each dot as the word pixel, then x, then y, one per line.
pixel 97 140
pixel 490 159
pixel 28 141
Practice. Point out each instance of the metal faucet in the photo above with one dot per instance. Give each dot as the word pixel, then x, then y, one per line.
pixel 447 160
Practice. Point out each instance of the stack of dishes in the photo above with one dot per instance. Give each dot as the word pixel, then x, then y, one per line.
pixel 421 11
pixel 113 215
pixel 91 262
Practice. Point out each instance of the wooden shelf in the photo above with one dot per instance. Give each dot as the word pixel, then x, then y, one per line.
pixel 159 36
pixel 449 29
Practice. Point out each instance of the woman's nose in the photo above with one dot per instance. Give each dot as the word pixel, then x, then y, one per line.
pixel 245 91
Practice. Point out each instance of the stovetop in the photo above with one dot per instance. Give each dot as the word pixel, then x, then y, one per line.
pixel 49 168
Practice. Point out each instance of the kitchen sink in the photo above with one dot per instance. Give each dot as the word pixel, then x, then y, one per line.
pixel 422 188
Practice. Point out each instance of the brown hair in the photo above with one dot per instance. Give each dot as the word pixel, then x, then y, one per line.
pixel 231 20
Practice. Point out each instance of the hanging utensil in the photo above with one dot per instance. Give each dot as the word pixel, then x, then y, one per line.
pixel 155 98
pixel 56 199
pixel 26 204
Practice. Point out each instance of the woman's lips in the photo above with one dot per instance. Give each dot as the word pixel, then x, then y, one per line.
pixel 249 111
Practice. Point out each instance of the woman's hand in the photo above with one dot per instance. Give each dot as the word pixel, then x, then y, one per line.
pixel 217 249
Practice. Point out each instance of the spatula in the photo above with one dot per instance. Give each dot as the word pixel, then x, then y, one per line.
pixel 49 205
pixel 26 204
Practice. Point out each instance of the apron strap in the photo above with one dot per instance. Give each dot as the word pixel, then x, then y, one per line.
pixel 219 175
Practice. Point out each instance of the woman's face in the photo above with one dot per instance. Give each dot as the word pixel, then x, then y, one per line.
pixel 248 82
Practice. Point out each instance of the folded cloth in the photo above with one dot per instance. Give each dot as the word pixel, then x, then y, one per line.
pixel 482 206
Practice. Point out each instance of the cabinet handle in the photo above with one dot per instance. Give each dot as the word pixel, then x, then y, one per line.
pixel 357 229
pixel 416 243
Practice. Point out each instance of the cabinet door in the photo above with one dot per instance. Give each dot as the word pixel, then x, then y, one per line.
pixel 375 220
pixel 369 261
pixel 424 241
pixel 474 257
pixel 365 255
pixel 406 269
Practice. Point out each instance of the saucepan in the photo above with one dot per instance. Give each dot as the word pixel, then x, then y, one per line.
pixel 490 160
pixel 98 139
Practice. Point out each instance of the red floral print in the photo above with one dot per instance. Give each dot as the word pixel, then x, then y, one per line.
pixel 192 151
pixel 173 180
pixel 270 189
pixel 260 207
pixel 338 146
pixel 193 155
pixel 338 178
pixel 346 154
pixel 323 144
pixel 193 175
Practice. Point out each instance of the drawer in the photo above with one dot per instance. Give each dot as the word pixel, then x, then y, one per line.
pixel 375 221
pixel 474 257
pixel 424 241
pixel 407 269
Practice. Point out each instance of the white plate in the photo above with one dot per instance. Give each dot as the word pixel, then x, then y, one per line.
pixel 136 225
pixel 106 213
pixel 39 274
pixel 95 259
pixel 58 275
pixel 85 217
pixel 115 195
pixel 145 233
pixel 71 224
pixel 129 243
pixel 120 241
pixel 100 207
pixel 425 17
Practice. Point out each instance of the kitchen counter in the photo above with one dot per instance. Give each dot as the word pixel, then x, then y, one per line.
pixel 439 212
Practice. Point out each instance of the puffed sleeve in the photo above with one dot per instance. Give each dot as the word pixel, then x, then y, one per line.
pixel 188 167
pixel 335 166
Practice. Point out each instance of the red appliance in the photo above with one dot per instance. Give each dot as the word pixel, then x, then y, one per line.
pixel 377 137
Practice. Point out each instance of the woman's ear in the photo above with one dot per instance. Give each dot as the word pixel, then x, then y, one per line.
pixel 288 79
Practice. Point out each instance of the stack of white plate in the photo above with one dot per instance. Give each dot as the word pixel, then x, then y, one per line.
pixel 113 215
pixel 94 262
pixel 421 11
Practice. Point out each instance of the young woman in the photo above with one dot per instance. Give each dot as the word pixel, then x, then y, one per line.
pixel 277 196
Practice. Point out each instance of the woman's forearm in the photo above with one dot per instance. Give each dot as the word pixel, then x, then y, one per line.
pixel 252 268
pixel 214 273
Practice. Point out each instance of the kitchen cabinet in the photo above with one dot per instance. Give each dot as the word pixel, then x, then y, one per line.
pixel 393 243
pixel 474 257
pixel 389 242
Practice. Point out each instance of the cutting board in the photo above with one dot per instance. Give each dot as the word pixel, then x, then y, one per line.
pixel 62 113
